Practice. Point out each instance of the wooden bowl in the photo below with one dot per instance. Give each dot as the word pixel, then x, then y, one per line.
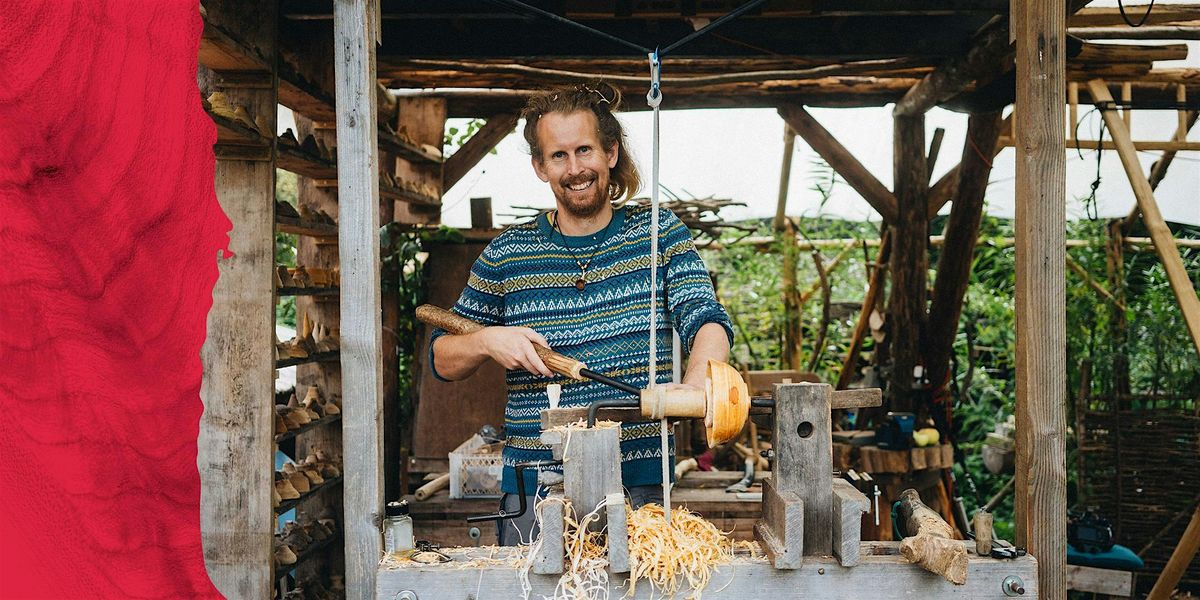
pixel 728 403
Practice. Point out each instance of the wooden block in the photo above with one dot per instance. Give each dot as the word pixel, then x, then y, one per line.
pixel 781 530
pixel 849 504
pixel 804 458
pixel 860 398
pixel 618 533
pixel 947 456
pixel 591 470
pixel 1100 581
pixel 551 551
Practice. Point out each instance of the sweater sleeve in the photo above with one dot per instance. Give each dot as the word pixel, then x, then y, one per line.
pixel 690 297
pixel 481 301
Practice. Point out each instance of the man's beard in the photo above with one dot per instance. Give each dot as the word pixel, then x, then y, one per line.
pixel 585 207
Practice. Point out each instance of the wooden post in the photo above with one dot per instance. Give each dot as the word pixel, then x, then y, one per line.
pixel 910 259
pixel 358 245
pixel 481 213
pixel 236 438
pixel 1041 478
pixel 803 441
pixel 1189 543
pixel 591 470
pixel 962 232
pixel 1164 240
pixel 785 175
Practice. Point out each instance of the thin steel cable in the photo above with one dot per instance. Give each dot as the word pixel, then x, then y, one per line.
pixel 517 4
pixel 731 15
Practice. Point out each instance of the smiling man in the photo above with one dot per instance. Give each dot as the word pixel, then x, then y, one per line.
pixel 577 279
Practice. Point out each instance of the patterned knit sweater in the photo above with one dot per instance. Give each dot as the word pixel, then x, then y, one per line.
pixel 526 277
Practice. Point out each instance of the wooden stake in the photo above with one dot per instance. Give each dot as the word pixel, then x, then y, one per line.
pixel 1040 291
pixel 910 258
pixel 1164 240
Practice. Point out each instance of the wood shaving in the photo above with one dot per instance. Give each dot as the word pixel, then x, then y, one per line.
pixel 684 551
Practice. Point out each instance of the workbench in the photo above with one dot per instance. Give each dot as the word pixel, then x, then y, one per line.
pixel 443 521
pixel 493 573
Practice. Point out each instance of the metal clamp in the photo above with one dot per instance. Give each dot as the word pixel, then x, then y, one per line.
pixel 654 96
pixel 520 469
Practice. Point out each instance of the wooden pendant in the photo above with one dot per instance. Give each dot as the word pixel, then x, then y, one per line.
pixel 579 283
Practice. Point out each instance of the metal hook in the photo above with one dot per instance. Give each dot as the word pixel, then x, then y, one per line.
pixel 654 96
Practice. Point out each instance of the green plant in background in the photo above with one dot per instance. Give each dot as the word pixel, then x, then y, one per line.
pixel 285 246
pixel 455 136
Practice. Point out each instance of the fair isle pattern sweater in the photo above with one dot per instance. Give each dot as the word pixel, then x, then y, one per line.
pixel 526 277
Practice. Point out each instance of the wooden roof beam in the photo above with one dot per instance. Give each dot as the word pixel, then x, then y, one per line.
pixel 834 153
pixel 1162 14
pixel 481 142
pixel 988 57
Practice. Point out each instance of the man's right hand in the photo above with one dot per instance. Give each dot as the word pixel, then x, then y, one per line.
pixel 512 347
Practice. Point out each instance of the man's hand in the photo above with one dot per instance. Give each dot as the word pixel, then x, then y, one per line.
pixel 512 347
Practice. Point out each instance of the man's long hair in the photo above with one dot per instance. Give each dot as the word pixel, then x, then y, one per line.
pixel 602 100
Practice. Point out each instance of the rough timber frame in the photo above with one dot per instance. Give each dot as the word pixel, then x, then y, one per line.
pixel 1042 69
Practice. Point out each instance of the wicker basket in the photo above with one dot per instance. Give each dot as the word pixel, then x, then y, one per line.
pixel 476 468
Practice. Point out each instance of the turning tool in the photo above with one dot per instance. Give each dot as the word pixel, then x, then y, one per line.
pixel 724 404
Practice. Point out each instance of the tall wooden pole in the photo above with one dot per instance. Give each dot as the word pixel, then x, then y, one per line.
pixel 355 33
pixel 1041 476
pixel 785 175
pixel 1184 552
pixel 909 258
pixel 1164 240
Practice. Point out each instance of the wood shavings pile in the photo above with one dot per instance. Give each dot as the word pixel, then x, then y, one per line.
pixel 585 574
pixel 669 555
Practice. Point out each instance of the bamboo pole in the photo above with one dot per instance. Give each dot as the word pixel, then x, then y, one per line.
pixel 1181 284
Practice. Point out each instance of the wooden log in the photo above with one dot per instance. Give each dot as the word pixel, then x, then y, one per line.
pixel 440 482
pixel 849 505
pixel 361 332
pixel 1164 32
pixel 785 176
pixel 1181 557
pixel 989 56
pixel 929 540
pixel 482 141
pixel 1111 16
pixel 982 526
pixel 1181 284
pixel 1040 290
pixel 841 160
pixel 942 191
pixel 957 255
pixel 909 259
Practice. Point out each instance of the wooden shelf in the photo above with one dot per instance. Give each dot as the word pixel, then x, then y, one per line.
pixel 395 193
pixel 237 134
pixel 392 143
pixel 311 229
pixel 312 550
pixel 287 505
pixel 221 51
pixel 311 358
pixel 311 425
pixel 303 96
pixel 299 162
pixel 308 291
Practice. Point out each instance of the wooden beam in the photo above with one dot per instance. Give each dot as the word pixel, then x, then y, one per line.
pixel 495 129
pixel 957 256
pixel 1168 146
pixel 1041 478
pixel 358 246
pixel 785 176
pixel 1164 240
pixel 1111 16
pixel 941 192
pixel 1108 582
pixel 1163 32
pixel 1158 170
pixel 1184 552
pixel 989 56
pixel 841 160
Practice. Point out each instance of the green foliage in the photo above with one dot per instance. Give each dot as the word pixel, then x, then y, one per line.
pixel 455 136
pixel 285 246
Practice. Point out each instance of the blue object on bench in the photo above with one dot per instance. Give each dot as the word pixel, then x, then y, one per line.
pixel 1118 557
